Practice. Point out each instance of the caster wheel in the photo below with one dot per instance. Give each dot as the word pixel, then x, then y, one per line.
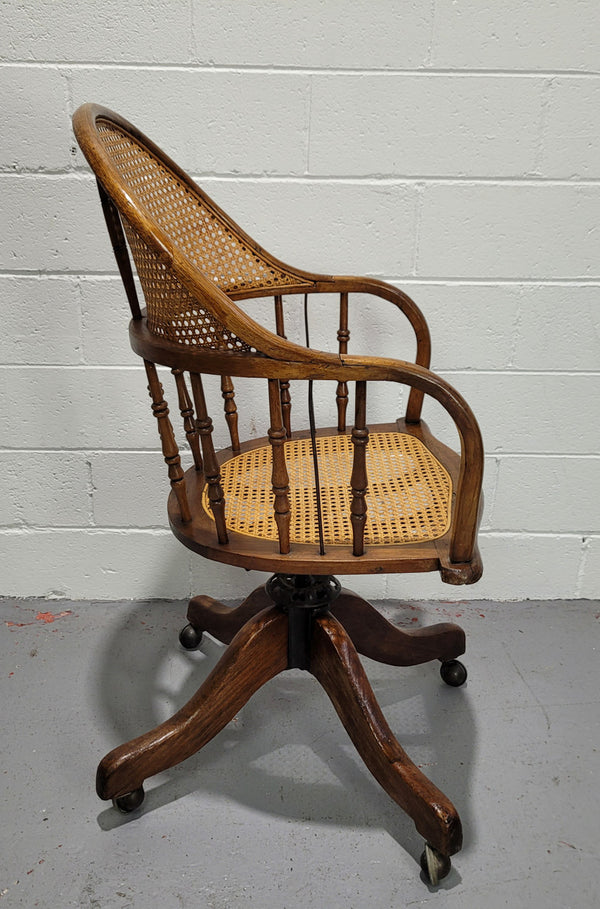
pixel 189 638
pixel 130 801
pixel 434 865
pixel 453 673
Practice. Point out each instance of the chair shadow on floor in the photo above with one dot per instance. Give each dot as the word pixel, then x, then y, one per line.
pixel 285 753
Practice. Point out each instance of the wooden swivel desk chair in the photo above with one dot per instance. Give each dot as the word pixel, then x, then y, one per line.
pixel 386 499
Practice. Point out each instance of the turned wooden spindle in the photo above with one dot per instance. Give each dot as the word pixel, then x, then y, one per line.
pixel 167 438
pixel 358 480
pixel 211 465
pixel 343 337
pixel 279 477
pixel 231 414
pixel 286 399
pixel 187 413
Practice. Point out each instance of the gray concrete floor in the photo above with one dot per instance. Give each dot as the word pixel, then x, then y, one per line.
pixel 278 811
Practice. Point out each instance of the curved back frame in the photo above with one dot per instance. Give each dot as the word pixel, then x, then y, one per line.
pixel 194 262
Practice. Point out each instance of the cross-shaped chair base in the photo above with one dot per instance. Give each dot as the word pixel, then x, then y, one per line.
pixel 306 622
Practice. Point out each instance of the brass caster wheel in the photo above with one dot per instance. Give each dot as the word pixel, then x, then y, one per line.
pixel 189 638
pixel 130 801
pixel 453 673
pixel 434 865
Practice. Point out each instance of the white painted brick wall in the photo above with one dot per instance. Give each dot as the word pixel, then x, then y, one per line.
pixel 392 124
pixel 451 147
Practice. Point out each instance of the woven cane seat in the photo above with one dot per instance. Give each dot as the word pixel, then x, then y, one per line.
pixel 408 498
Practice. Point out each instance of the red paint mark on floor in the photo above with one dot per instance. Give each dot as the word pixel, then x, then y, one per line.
pixel 47 617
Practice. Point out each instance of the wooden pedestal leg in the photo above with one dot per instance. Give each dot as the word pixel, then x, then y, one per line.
pixel 224 622
pixel 256 654
pixel 335 663
pixel 375 637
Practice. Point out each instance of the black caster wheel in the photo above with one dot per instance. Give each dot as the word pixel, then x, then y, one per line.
pixel 434 865
pixel 189 638
pixel 130 801
pixel 453 673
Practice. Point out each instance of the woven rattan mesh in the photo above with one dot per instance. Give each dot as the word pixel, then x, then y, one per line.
pixel 199 232
pixel 408 497
pixel 173 313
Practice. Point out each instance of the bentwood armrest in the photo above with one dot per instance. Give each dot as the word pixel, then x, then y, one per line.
pixel 351 284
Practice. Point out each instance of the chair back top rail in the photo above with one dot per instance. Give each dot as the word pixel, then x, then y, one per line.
pixel 126 193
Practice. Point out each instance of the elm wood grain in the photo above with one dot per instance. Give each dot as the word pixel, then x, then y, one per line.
pixel 187 414
pixel 450 572
pixel 286 399
pixel 374 637
pixel 257 654
pixel 358 479
pixel 280 480
pixel 335 664
pixel 211 465
pixel 371 634
pixel 230 408
pixel 343 336
pixel 223 622
pixel 170 450
pixel 286 406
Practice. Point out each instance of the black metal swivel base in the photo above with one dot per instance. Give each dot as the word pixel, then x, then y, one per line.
pixel 302 597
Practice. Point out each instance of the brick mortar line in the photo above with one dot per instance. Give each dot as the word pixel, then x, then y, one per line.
pixel 449 281
pixel 489 455
pixel 155 529
pixel 83 175
pixel 299 69
pixel 103 367
pixel 88 528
